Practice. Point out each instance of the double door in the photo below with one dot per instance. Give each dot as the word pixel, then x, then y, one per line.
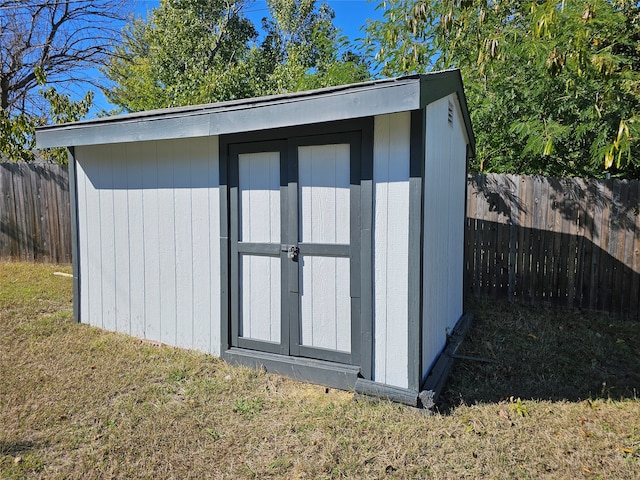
pixel 294 241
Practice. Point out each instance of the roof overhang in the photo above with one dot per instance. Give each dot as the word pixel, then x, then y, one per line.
pixel 301 108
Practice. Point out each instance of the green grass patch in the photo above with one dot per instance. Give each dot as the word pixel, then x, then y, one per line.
pixel 557 400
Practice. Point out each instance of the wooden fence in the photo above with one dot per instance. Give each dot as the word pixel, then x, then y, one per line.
pixel 34 213
pixel 567 242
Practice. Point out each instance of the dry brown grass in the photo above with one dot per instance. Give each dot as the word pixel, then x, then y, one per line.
pixel 77 402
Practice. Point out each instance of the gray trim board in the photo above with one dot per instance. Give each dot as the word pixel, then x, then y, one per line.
pixel 324 249
pixel 225 334
pixel 331 374
pixel 75 245
pixel 389 392
pixel 253 114
pixel 366 250
pixel 336 375
pixel 415 249
pixel 267 249
pixel 326 105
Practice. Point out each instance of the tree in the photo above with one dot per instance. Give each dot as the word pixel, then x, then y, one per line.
pixel 60 38
pixel 303 50
pixel 553 86
pixel 201 51
pixel 188 51
pixel 46 45
pixel 17 132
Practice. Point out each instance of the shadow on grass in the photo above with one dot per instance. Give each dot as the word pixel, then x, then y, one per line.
pixel 543 354
pixel 15 448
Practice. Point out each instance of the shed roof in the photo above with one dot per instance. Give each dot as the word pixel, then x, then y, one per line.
pixel 358 100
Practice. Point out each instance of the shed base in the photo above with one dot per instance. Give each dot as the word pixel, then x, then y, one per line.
pixel 437 378
pixel 331 374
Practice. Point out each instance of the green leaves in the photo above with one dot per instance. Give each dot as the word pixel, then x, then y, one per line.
pixel 194 51
pixel 553 86
pixel 17 132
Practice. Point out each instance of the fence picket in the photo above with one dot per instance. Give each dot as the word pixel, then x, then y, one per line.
pixel 34 213
pixel 566 242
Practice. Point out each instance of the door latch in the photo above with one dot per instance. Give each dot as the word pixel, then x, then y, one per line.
pixel 291 250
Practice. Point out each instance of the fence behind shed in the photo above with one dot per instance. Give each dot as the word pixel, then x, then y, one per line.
pixel 34 213
pixel 568 242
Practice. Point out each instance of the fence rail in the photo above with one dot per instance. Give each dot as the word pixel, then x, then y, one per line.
pixel 569 242
pixel 34 213
pixel 566 242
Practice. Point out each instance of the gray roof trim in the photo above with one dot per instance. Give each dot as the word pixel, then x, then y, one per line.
pixel 300 108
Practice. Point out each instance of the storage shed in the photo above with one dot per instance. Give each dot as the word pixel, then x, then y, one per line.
pixel 319 234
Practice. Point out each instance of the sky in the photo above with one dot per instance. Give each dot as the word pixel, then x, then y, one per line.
pixel 351 16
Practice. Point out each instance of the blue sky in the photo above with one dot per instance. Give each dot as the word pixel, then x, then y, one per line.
pixel 351 16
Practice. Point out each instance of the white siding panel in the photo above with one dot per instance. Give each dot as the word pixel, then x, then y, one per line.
pixel 445 167
pixel 184 248
pixel 325 302
pixel 200 181
pixel 167 153
pixel 121 239
pixel 107 249
pixel 324 183
pixel 260 301
pixel 150 240
pixel 93 285
pixel 259 197
pixel 134 218
pixel 391 242
pixel 83 233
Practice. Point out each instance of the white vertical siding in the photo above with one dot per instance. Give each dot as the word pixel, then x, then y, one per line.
pixel 259 197
pixel 166 155
pixel 444 194
pixel 148 226
pixel 201 245
pixel 107 250
pixel 391 157
pixel 325 302
pixel 151 232
pixel 323 182
pixel 89 235
pixel 260 297
pixel 134 216
pixel 121 243
pixel 324 191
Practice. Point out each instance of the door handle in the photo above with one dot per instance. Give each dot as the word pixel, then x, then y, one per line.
pixel 291 251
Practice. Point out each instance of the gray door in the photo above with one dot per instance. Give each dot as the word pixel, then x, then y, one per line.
pixel 294 247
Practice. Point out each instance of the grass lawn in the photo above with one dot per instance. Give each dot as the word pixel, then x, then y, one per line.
pixel 540 393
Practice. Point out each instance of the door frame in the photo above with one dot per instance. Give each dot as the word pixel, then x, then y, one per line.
pixel 330 371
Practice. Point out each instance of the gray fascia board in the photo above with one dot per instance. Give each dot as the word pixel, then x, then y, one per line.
pixel 357 101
